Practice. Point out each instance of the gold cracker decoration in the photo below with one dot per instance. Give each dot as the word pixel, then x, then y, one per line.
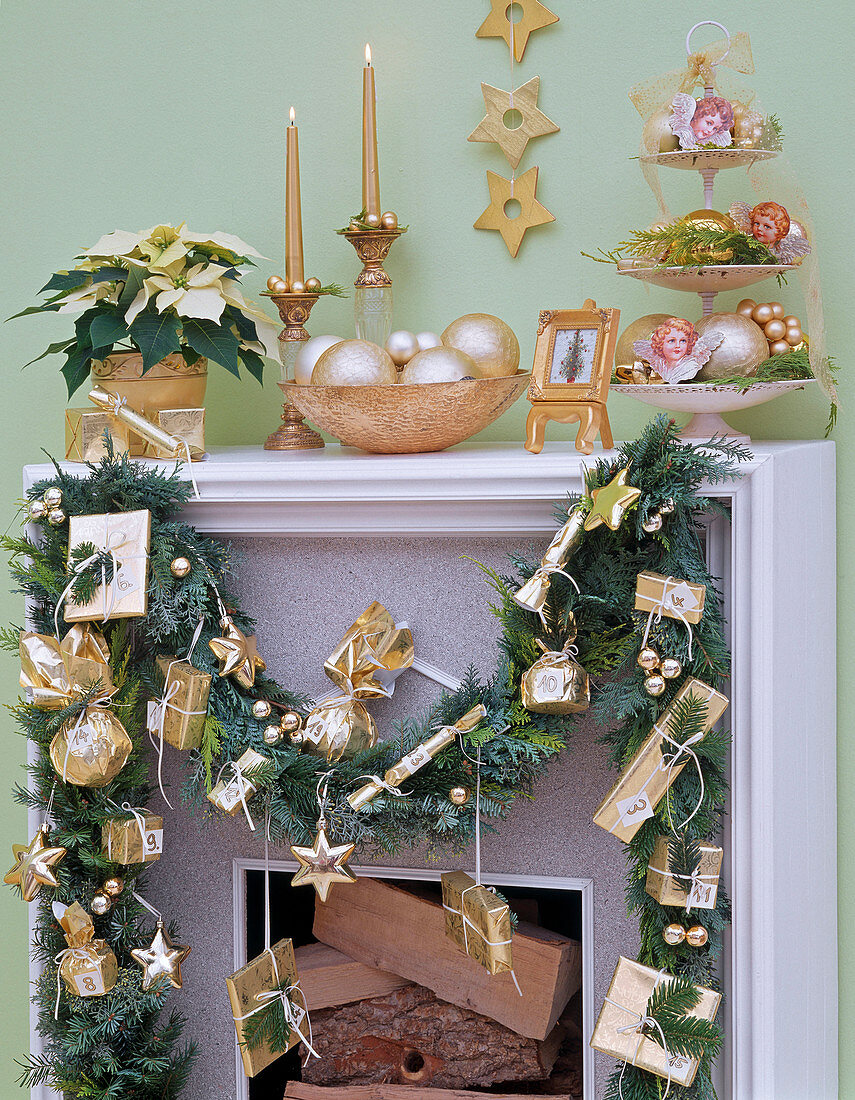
pixel 497 24
pixel 533 213
pixel 492 127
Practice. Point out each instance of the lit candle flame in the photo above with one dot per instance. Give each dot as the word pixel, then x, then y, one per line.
pixel 367 54
pixel 292 116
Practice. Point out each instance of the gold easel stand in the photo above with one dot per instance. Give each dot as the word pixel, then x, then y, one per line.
pixel 294 310
pixel 592 416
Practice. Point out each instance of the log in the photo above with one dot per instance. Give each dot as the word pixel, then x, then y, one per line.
pixel 329 977
pixel 411 1037
pixel 394 930
pixel 298 1090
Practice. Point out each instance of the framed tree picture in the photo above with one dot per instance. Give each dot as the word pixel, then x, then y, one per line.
pixel 570 378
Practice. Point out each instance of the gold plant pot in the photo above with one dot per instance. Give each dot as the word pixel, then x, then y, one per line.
pixel 169 384
pixel 407 419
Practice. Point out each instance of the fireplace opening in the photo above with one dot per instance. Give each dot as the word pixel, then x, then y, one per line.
pixel 408 1035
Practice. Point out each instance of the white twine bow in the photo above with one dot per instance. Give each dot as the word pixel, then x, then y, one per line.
pixel 243 785
pixel 157 709
pixel 695 880
pixel 78 735
pixel 667 602
pixel 80 953
pixel 385 785
pixel 543 572
pixel 138 814
pixel 639 1025
pixel 668 764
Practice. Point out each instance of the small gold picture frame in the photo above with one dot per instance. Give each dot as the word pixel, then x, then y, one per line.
pixel 570 378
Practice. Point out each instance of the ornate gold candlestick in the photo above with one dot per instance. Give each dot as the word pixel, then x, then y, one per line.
pixel 294 310
pixel 372 305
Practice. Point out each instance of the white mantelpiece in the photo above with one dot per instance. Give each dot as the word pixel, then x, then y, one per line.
pixel 777 563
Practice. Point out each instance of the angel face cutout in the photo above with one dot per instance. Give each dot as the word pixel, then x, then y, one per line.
pixel 675 350
pixel 701 122
pixel 769 223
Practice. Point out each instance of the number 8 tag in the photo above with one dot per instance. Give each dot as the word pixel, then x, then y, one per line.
pixel 90 984
pixel 634 810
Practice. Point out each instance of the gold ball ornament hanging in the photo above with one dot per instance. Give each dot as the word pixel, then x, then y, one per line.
pixel 354 363
pixel 742 350
pixel 673 934
pixel 654 684
pixel 161 959
pixel 290 721
pixel 101 903
pixel 56 517
pixel 762 313
pixel 113 886
pixel 670 668
pixel 487 340
pixel 389 220
pixel 652 524
pixel 775 330
pixel 272 735
pixel 697 936
pixel 313 285
pixel 746 307
pixel 439 365
pixel 373 221
pixel 402 346
pixel 37 510
pixel 667 506
pixel 458 796
pixel 648 659
pixel 179 567
pixel 53 497
pixel 34 863
pixel 261 709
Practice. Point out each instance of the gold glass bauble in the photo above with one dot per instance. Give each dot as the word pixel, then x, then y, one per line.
pixel 428 340
pixel 746 307
pixel 487 340
pixel 308 355
pixel 56 517
pixel 53 496
pixel 459 796
pixel 654 684
pixel 762 313
pixel 313 285
pixel 402 346
pixel 670 668
pixel 38 509
pixel 673 934
pixel 354 363
pixel 290 721
pixel 652 524
pixel 794 336
pixel 113 886
pixel 439 365
pixel 261 708
pixel 742 350
pixel 297 737
pixel 775 330
pixel 640 329
pixel 667 506
pixel 272 735
pixel 697 936
pixel 657 135
pixel 779 347
pixel 711 219
pixel 101 904
pixel 648 658
pixel 389 220
pixel 180 567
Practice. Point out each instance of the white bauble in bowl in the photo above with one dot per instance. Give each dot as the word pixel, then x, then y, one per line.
pixel 439 364
pixel 486 339
pixel 354 363
pixel 309 354
pixel 428 340
pixel 402 346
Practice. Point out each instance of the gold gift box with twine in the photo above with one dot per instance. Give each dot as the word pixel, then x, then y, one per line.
pixel 179 715
pixel 135 839
pixel 477 921
pixel 84 435
pixel 273 969
pixel 125 536
pixel 699 890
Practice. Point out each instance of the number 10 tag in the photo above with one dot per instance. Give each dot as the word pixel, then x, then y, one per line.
pixel 635 809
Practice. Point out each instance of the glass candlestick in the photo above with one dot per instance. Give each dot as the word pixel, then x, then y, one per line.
pixel 372 303
pixel 293 434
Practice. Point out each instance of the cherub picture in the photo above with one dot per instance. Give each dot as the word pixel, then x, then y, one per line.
pixel 675 350
pixel 701 122
pixel 769 223
pixel 573 355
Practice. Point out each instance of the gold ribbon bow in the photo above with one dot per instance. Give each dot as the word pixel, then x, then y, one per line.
pixel 57 671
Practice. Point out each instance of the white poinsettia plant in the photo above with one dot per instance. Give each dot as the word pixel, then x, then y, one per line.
pixel 160 291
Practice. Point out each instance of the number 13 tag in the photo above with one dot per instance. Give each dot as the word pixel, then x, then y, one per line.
pixel 634 810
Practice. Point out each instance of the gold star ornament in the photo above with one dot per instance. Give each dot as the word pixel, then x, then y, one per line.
pixel 323 865
pixel 493 127
pixel 611 502
pixel 237 654
pixel 161 959
pixel 33 863
pixel 531 213
pixel 498 24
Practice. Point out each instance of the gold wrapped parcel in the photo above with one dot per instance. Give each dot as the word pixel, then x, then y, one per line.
pixel 57 671
pixel 696 891
pixel 88 968
pixel 84 435
pixel 477 921
pixel 126 536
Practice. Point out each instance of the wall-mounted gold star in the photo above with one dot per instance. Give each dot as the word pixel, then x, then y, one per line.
pixel 611 501
pixel 497 24
pixel 33 863
pixel 532 213
pixel 237 654
pixel 161 959
pixel 323 865
pixel 492 127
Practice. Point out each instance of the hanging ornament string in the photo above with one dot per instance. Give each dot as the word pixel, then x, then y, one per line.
pixel 49 807
pixel 513 89
pixel 154 912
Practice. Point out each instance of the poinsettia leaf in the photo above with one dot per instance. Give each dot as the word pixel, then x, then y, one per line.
pixel 46 308
pixel 191 357
pixel 106 328
pixel 53 349
pixel 213 341
pixel 110 275
pixel 245 325
pixel 156 335
pixel 76 367
pixel 82 326
pixel 253 363
pixel 65 280
pixel 133 284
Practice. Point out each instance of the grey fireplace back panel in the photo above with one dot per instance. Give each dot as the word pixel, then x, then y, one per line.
pixel 304 593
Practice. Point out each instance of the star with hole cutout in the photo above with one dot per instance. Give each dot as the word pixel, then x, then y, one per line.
pixel 532 213
pixel 492 127
pixel 611 501
pixel 497 24
pixel 323 865
pixel 33 865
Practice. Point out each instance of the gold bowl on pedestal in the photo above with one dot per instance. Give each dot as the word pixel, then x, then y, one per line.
pixel 407 419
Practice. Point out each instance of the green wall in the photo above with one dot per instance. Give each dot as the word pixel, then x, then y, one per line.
pixel 125 114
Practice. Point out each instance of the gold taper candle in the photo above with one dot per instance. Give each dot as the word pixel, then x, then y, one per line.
pixel 370 167
pixel 293 216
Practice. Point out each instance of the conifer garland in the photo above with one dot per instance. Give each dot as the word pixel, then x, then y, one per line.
pixel 120 1045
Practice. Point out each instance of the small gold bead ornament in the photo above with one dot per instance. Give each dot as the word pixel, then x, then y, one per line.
pixel 180 567
pixel 53 497
pixel 101 904
pixel 458 796
pixel 654 684
pixel 697 936
pixel 37 510
pixel 313 285
pixel 291 722
pixel 261 709
pixel 56 517
pixel 113 886
pixel 670 668
pixel 652 524
pixel 673 934
pixel 273 735
pixel 648 659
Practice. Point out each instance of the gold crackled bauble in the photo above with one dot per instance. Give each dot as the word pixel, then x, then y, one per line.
pixel 309 354
pixel 640 329
pixel 742 350
pixel 657 135
pixel 439 365
pixel 402 346
pixel 487 340
pixel 179 567
pixel 354 363
pixel 428 340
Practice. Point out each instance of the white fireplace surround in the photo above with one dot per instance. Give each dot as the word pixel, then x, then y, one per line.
pixel 777 562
